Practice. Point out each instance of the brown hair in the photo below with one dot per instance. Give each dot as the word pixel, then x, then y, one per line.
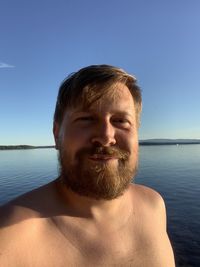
pixel 88 84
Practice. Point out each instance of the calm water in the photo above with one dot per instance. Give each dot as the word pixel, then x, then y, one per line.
pixel 174 171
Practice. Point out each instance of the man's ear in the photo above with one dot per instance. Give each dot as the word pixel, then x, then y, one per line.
pixel 56 129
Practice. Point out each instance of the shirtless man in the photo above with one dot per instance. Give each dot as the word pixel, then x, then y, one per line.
pixel 92 215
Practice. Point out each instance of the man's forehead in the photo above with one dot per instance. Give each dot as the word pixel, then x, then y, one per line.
pixel 117 89
pixel 116 92
pixel 117 97
pixel 106 106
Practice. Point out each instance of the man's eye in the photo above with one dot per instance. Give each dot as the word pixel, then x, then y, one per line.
pixel 121 122
pixel 85 118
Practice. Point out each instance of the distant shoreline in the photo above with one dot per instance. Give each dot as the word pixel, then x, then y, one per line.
pixel 167 144
pixel 23 147
pixel 148 142
pixel 160 142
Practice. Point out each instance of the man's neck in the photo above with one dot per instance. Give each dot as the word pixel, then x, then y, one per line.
pixel 86 207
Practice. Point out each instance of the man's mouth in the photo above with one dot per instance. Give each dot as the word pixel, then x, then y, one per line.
pixel 101 157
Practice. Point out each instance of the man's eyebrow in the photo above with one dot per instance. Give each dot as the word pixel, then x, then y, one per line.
pixel 91 110
pixel 81 111
pixel 122 113
pixel 126 113
pixel 78 112
pixel 114 112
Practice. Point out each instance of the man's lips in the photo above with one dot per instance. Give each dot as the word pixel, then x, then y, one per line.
pixel 102 157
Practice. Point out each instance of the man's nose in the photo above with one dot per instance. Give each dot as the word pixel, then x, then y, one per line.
pixel 104 134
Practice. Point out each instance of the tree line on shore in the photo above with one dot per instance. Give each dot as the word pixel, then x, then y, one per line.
pixel 148 142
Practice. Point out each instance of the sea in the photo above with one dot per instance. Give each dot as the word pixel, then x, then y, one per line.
pixel 172 170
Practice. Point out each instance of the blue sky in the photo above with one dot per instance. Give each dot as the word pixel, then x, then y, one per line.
pixel 43 41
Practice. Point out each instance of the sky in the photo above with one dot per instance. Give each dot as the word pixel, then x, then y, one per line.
pixel 41 42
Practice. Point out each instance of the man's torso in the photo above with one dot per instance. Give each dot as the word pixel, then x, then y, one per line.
pixel 74 241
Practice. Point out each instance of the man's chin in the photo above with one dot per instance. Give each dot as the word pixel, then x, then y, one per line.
pixel 97 182
pixel 106 193
pixel 108 168
pixel 101 179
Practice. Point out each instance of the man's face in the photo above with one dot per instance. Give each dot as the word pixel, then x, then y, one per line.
pixel 98 146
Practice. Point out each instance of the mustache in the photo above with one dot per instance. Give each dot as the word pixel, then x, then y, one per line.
pixel 106 151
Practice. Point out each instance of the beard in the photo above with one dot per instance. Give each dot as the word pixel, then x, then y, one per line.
pixel 97 179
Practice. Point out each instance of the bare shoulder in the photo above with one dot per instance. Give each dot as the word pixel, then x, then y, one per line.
pixel 33 204
pixel 13 229
pixel 151 204
pixel 152 213
pixel 148 196
pixel 21 220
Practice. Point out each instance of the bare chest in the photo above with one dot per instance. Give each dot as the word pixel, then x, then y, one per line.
pixel 82 248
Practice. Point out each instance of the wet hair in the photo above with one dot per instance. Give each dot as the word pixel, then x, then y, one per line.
pixel 89 84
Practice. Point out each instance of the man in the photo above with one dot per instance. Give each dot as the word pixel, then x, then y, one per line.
pixel 91 215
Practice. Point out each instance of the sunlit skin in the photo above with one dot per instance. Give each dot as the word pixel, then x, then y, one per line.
pixel 109 123
pixel 55 226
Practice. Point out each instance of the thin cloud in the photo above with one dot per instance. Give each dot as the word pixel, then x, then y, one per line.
pixel 5 65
